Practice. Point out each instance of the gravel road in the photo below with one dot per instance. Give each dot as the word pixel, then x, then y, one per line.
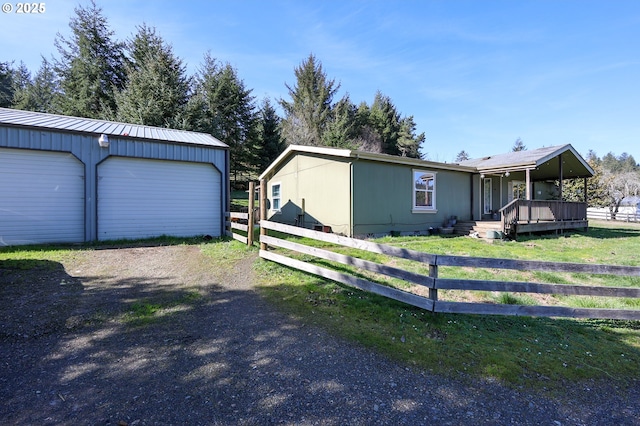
pixel 70 354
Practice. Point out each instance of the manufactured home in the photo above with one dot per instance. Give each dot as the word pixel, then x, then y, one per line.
pixel 363 194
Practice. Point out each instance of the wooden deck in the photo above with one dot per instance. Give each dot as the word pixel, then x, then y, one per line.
pixel 525 217
pixel 528 216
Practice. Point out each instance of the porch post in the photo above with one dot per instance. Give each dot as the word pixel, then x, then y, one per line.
pixel 561 172
pixel 528 185
pixel 561 177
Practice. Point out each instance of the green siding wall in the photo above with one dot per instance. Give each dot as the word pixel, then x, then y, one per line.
pixel 383 199
pixel 323 183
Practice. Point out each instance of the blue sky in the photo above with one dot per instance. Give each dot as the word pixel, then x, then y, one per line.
pixel 476 75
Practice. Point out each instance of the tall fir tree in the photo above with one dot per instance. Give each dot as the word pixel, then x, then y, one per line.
pixel 6 85
pixel 45 91
pixel 309 110
pixel 229 114
pixel 342 128
pixel 157 88
pixel 270 141
pixel 386 120
pixel 518 145
pixel 22 89
pixel 409 144
pixel 462 156
pixel 91 65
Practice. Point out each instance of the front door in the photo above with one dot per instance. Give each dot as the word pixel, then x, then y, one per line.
pixel 487 196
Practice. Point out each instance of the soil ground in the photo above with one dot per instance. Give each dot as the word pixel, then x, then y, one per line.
pixel 161 335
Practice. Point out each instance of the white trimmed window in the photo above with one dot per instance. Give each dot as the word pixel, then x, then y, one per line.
pixel 424 191
pixel 275 197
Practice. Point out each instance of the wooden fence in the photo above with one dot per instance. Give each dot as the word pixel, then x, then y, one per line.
pixel 431 283
pixel 244 222
pixel 626 216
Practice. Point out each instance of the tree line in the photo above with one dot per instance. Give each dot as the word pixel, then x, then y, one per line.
pixel 142 81
pixel 616 178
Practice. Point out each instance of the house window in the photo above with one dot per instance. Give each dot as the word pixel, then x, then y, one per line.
pixel 275 196
pixel 517 190
pixel 424 190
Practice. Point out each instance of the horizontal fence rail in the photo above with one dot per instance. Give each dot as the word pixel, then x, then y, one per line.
pixel 234 224
pixel 625 216
pixel 432 283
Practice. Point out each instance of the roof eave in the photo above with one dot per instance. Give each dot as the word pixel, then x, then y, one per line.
pixel 361 155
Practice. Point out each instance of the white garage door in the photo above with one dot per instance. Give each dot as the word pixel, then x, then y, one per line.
pixel 41 197
pixel 140 198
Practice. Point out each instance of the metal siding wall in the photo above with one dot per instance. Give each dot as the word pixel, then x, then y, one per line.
pixel 86 149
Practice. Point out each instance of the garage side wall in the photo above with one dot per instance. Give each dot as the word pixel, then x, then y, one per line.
pixel 86 149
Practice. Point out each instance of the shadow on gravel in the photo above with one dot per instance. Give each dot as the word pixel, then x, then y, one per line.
pixel 219 357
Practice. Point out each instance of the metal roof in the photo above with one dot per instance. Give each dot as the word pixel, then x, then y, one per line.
pixel 32 119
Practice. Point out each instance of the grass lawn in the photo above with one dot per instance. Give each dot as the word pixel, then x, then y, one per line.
pixel 516 350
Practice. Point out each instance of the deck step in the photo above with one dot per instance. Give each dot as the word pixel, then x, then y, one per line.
pixel 478 228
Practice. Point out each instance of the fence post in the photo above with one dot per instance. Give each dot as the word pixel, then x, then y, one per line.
pixel 251 219
pixel 263 209
pixel 433 273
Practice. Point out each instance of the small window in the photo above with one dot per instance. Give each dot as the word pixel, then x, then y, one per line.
pixel 275 196
pixel 424 190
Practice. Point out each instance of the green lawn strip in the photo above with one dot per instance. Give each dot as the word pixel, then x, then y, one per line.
pixel 511 349
pixel 533 351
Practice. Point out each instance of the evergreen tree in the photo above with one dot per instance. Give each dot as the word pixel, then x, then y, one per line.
pixel 462 156
pixel 6 85
pixel 619 164
pixel 22 89
pixel 270 141
pixel 409 144
pixel 369 138
pixel 518 145
pixel 90 65
pixel 573 189
pixel 229 114
pixel 342 129
pixel 309 110
pixel 157 89
pixel 386 121
pixel 45 91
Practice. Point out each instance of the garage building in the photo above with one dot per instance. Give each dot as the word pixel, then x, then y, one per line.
pixel 68 180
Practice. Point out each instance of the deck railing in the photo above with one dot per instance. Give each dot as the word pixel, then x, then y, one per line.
pixel 534 211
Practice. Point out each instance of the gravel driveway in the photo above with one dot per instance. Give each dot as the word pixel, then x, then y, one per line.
pixel 72 353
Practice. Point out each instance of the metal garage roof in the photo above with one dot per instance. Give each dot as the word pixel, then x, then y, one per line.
pixel 88 125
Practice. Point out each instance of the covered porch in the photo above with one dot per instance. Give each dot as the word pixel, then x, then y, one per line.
pixel 522 192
